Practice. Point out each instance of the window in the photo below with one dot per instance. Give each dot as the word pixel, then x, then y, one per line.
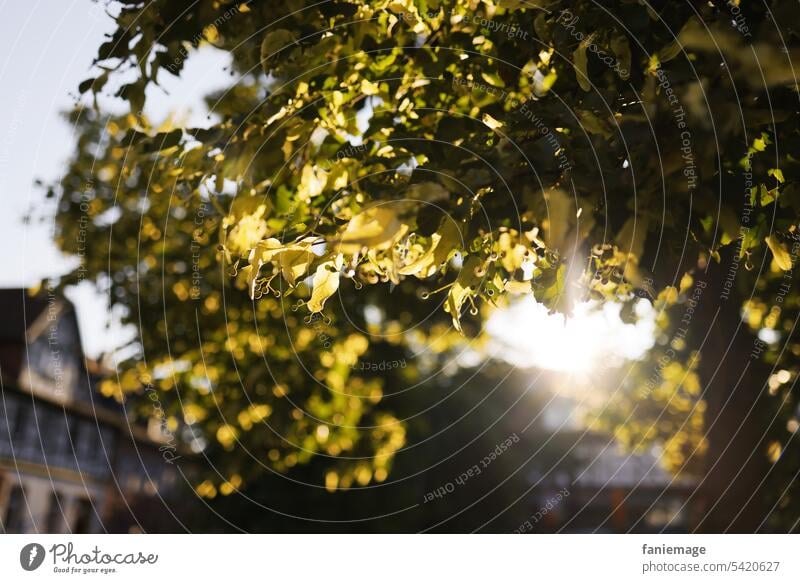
pixel 18 425
pixel 9 409
pixel 84 518
pixel 17 510
pixel 55 514
pixel 8 415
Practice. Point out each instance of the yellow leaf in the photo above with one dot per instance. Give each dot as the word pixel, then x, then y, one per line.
pixel 312 182
pixel 326 282
pixel 422 265
pixel 293 260
pixel 455 299
pixel 211 33
pixel 294 264
pixel 493 79
pixel 368 88
pixel 491 122
pixel 247 223
pixel 518 287
pixel 247 232
pixel 461 289
pixel 560 214
pixel 265 250
pixel 782 257
pixel 686 283
pixel 377 228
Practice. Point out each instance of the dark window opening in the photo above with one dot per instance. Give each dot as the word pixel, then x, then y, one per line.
pixel 84 518
pixel 14 521
pixel 55 514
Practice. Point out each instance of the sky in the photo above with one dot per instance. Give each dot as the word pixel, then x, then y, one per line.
pixel 46 50
pixel 44 54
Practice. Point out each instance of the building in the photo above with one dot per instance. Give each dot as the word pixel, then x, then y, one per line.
pixel 70 460
pixel 591 484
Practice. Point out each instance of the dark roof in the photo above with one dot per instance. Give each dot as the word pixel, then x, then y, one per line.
pixel 21 320
pixel 18 311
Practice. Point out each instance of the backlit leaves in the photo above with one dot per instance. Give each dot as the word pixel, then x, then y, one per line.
pixel 326 282
pixel 782 258
pixel 376 228
pixel 482 147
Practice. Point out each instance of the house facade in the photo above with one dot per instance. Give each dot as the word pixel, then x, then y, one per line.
pixel 71 461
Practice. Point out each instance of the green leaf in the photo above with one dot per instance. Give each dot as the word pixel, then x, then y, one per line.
pixel 622 49
pixel 274 42
pixel 581 63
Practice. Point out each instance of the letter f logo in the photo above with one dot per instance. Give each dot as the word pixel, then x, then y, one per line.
pixel 31 556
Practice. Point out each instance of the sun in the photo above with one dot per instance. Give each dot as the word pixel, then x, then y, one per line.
pixel 594 337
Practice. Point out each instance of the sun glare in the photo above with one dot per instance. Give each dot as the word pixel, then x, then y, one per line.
pixel 593 337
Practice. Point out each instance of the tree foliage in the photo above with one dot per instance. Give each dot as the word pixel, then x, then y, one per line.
pixel 430 160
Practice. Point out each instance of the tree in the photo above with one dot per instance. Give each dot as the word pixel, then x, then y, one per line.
pixel 372 160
